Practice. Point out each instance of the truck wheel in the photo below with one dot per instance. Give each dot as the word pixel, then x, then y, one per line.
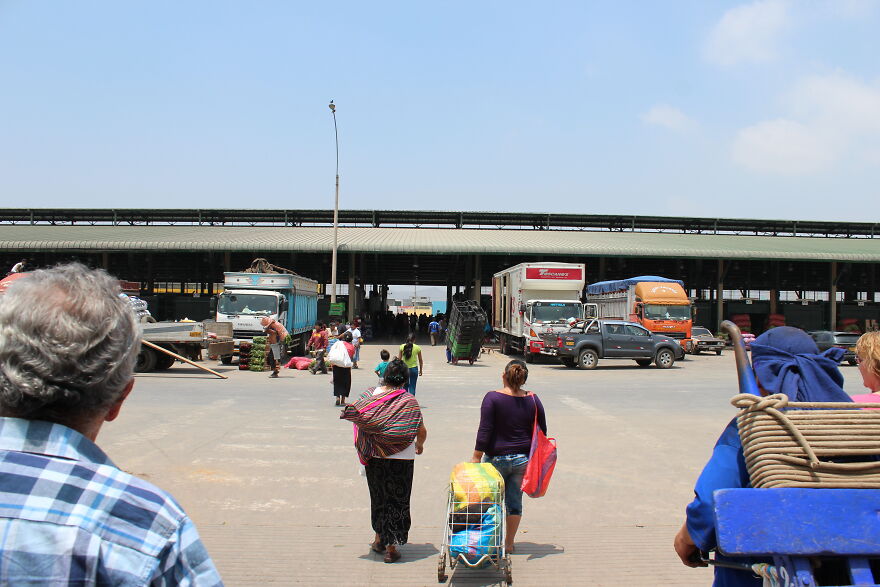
pixel 588 359
pixel 718 352
pixel 226 359
pixel 643 362
pixel 664 359
pixel 568 362
pixel 164 361
pixel 529 356
pixel 146 360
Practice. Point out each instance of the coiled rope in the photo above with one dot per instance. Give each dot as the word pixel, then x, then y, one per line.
pixel 809 444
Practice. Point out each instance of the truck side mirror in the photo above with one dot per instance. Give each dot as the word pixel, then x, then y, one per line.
pixel 283 305
pixel 522 308
pixel 213 304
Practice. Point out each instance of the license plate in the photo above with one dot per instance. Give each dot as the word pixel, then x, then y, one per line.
pixel 569 343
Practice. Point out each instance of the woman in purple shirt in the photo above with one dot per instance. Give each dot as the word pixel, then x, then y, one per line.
pixel 504 438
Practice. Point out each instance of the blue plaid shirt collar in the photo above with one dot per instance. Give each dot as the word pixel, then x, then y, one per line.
pixel 45 438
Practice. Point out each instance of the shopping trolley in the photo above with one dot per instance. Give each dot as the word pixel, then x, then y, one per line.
pixel 473 531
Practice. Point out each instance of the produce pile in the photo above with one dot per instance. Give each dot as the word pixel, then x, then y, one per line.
pixel 258 354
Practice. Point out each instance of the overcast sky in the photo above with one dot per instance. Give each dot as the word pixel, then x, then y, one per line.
pixel 767 109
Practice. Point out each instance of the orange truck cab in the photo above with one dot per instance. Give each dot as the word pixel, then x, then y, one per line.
pixel 658 303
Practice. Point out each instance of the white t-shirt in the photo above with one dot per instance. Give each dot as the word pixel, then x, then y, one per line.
pixel 407 454
pixel 356 336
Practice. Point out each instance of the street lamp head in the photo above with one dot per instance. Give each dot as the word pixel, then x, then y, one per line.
pixel 332 107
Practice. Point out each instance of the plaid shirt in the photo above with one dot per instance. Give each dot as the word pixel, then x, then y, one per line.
pixel 68 515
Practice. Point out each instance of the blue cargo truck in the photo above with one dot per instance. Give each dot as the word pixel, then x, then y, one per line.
pixel 248 297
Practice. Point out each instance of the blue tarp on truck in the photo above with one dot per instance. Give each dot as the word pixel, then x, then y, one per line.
pixel 601 287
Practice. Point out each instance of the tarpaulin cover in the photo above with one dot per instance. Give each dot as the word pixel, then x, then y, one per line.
pixel 601 287
pixel 474 483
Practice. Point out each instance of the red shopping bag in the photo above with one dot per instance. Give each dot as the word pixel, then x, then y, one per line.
pixel 542 461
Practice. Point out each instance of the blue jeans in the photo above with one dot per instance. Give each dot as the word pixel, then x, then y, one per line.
pixel 512 469
pixel 413 378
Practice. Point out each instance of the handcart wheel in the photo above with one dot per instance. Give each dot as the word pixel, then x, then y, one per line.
pixel 441 569
pixel 508 572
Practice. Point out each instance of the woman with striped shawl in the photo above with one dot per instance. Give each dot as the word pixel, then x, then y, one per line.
pixel 388 434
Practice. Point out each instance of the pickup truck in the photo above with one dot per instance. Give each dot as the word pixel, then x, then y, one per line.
pixel 584 344
pixel 187 339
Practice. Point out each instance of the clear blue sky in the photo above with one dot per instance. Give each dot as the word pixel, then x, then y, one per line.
pixel 766 109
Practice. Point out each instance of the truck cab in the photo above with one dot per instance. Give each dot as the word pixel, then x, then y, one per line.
pixel 247 298
pixel 245 309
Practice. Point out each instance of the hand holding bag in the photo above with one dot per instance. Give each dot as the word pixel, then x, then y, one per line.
pixel 338 355
pixel 542 461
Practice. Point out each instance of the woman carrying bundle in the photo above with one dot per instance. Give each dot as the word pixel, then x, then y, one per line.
pixel 389 433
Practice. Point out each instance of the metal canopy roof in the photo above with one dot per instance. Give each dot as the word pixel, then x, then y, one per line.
pixel 433 241
pixel 440 219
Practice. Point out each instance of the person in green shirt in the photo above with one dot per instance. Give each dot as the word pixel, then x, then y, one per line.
pixel 411 354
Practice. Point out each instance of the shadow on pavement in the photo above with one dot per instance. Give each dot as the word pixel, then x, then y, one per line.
pixel 410 553
pixel 534 550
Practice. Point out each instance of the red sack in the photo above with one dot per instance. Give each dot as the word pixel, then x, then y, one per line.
pixel 542 461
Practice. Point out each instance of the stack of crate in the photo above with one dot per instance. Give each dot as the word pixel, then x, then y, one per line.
pixel 465 331
pixel 244 356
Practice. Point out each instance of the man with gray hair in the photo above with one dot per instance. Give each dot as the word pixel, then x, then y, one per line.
pixel 68 515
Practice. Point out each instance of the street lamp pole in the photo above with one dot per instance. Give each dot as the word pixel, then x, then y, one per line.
pixel 335 211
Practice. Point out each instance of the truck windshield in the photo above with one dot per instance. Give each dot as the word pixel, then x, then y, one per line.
pixel 247 304
pixel 556 311
pixel 658 312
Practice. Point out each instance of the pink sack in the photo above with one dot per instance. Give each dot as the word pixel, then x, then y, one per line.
pixel 542 462
pixel 301 363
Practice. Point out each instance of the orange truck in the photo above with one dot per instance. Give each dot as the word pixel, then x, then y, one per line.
pixel 659 304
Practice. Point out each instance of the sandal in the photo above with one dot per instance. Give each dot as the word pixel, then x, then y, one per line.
pixel 392 556
pixel 377 547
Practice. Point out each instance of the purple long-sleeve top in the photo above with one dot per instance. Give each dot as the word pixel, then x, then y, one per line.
pixel 506 423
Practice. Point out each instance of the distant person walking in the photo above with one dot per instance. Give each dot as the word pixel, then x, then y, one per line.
pixel 434 331
pixel 411 354
pixel 389 433
pixel 356 340
pixel 504 437
pixel 318 343
pixel 342 375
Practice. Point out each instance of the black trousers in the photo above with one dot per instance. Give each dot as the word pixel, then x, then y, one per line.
pixel 390 482
pixel 341 381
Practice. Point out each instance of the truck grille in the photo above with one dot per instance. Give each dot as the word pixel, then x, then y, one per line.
pixel 677 335
pixel 246 333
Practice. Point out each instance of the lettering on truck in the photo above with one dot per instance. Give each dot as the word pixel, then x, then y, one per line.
pixel 553 273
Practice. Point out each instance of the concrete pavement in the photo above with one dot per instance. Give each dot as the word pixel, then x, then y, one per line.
pixel 268 472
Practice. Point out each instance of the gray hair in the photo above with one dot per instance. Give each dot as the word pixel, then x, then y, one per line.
pixel 68 344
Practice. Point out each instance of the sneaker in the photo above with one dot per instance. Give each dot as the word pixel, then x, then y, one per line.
pixel 273 375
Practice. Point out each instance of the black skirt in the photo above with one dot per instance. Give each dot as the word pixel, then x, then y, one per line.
pixel 390 482
pixel 341 381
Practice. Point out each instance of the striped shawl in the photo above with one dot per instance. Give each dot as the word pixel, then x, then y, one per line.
pixel 384 424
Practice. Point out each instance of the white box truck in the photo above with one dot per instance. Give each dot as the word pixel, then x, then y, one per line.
pixel 531 299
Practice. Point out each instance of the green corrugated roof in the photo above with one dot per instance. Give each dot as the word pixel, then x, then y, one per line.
pixel 434 240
